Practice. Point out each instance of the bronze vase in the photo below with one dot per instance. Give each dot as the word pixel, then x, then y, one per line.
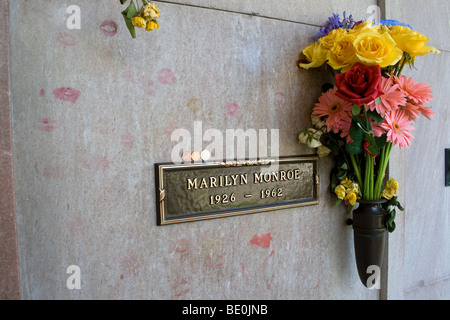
pixel 369 236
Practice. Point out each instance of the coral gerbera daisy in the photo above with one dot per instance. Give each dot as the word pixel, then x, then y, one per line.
pixel 333 108
pixel 418 92
pixel 398 127
pixel 392 98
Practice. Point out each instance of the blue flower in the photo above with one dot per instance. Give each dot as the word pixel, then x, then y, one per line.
pixel 391 23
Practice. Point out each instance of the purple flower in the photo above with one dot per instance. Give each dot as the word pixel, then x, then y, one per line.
pixel 334 22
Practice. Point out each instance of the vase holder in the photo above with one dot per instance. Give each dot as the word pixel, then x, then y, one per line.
pixel 369 236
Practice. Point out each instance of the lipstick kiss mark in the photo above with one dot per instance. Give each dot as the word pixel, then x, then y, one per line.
pixel 262 241
pixel 128 140
pixel 48 125
pixel 233 109
pixel 166 76
pixel 67 94
pixel 109 28
pixel 67 39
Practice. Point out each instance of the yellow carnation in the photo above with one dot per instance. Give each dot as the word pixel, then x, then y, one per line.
pixel 390 190
pixel 374 48
pixel 351 197
pixel 316 56
pixel 138 22
pixel 410 41
pixel 347 183
pixel 342 54
pixel 340 191
pixel 151 11
pixel 152 24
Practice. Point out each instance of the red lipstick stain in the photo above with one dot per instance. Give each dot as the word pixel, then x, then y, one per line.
pixel 262 241
pixel 67 39
pixel 67 94
pixel 48 125
pixel 233 109
pixel 109 28
pixel 166 76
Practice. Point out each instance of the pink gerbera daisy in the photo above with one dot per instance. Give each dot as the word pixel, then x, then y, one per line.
pixel 419 92
pixel 333 108
pixel 392 98
pixel 398 125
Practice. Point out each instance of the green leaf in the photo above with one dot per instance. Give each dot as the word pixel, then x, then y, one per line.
pixel 378 100
pixel 355 147
pixel 390 217
pixel 381 141
pixel 129 13
pixel 356 110
pixel 375 116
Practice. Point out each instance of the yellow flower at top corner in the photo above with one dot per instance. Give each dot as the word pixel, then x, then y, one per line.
pixel 151 11
pixel 138 22
pixel 410 41
pixel 152 24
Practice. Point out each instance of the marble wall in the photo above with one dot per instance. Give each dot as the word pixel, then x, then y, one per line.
pixel 94 109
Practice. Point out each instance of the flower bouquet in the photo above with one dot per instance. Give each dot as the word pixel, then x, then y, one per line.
pixel 144 17
pixel 371 106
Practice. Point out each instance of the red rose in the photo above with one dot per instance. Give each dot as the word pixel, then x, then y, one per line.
pixel 361 84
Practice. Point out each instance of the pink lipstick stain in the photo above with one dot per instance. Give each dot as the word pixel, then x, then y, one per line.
pixel 128 140
pixel 233 109
pixel 97 163
pixel 67 39
pixel 177 289
pixel 262 241
pixel 109 28
pixel 166 76
pixel 55 172
pixel 67 94
pixel 48 125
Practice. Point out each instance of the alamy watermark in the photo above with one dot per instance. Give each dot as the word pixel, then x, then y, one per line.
pixel 229 146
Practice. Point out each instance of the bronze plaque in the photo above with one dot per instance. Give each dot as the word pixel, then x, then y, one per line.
pixel 198 191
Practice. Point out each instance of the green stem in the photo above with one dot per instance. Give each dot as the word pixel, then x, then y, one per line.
pixel 384 160
pixel 357 170
pixel 399 72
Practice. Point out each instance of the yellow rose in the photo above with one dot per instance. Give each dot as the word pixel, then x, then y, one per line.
pixel 316 56
pixel 342 54
pixel 327 42
pixel 152 24
pixel 151 11
pixel 364 26
pixel 138 22
pixel 340 191
pixel 351 197
pixel 410 41
pixel 374 48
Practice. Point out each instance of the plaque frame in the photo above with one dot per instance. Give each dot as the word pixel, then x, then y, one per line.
pixel 160 186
